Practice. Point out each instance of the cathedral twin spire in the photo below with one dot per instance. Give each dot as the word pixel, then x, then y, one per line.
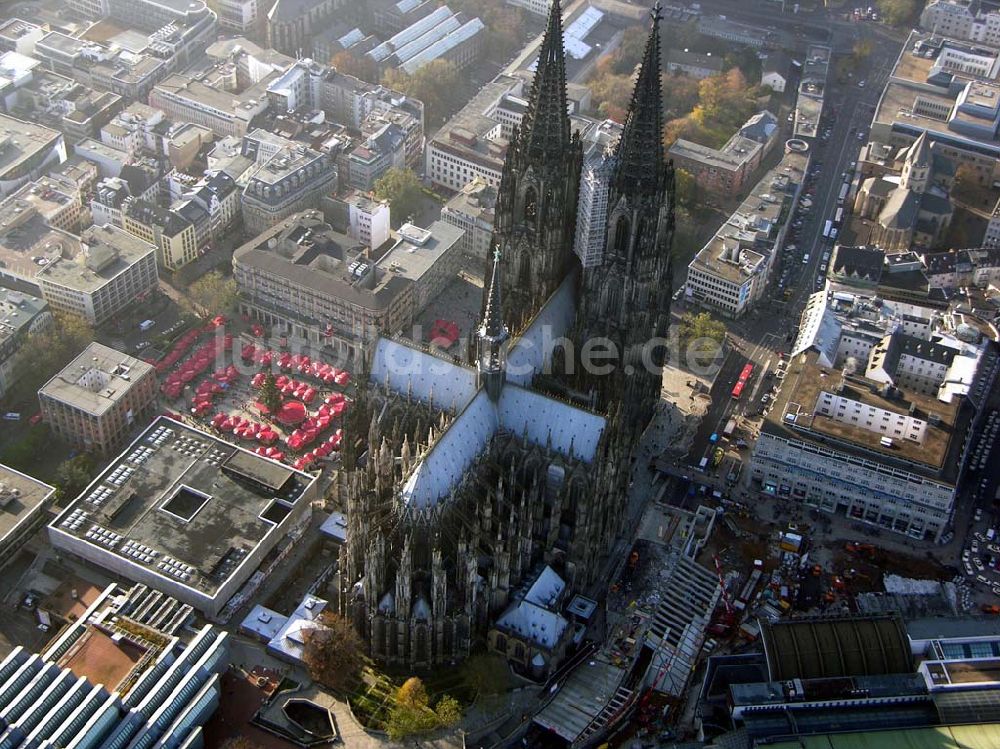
pixel 544 129
pixel 640 150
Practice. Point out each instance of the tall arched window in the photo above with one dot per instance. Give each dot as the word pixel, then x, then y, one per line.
pixel 530 207
pixel 524 272
pixel 613 301
pixel 640 229
pixel 621 236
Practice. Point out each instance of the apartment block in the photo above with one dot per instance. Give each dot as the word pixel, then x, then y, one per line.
pixel 289 177
pixel 380 151
pixel 173 235
pixel 728 170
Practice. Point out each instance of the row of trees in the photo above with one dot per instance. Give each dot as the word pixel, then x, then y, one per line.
pixel 335 657
pixel 724 102
pixel 45 352
pixel 213 294
pixel 413 713
pixel 899 12
pixel 402 189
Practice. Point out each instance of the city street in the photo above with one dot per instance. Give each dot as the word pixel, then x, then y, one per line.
pixel 759 338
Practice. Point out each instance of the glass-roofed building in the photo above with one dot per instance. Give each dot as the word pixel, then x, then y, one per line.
pixel 124 674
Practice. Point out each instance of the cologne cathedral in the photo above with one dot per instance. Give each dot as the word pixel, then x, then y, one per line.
pixel 463 481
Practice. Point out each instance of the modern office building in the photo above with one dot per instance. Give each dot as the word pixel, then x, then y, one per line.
pixel 968 20
pixel 188 514
pixel 112 270
pixel 99 398
pixel 18 35
pixel 188 99
pixel 121 674
pixel 872 416
pixel 29 245
pixel 472 143
pixel 360 217
pixel 56 203
pixel 240 16
pixel 950 91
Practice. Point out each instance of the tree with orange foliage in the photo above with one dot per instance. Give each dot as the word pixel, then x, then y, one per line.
pixel 360 66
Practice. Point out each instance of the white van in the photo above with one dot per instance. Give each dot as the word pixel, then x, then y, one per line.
pixel 12 416
pixel 146 325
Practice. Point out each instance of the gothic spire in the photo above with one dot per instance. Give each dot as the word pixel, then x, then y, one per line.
pixel 544 131
pixel 492 328
pixel 492 335
pixel 640 150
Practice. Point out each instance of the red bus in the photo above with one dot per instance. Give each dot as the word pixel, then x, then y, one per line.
pixel 742 381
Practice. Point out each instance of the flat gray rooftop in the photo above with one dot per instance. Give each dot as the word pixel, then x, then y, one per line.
pixel 20 496
pixel 21 141
pixel 182 498
pixel 96 379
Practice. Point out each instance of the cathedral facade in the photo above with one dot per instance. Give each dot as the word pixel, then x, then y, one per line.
pixel 464 480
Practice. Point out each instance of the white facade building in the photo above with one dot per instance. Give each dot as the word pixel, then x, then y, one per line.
pixel 592 206
pixel 368 220
pixel 539 7
pixel 731 272
pixel 872 415
pixel 959 20
pixel 472 210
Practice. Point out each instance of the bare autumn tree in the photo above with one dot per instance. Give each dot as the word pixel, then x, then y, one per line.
pixel 334 653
